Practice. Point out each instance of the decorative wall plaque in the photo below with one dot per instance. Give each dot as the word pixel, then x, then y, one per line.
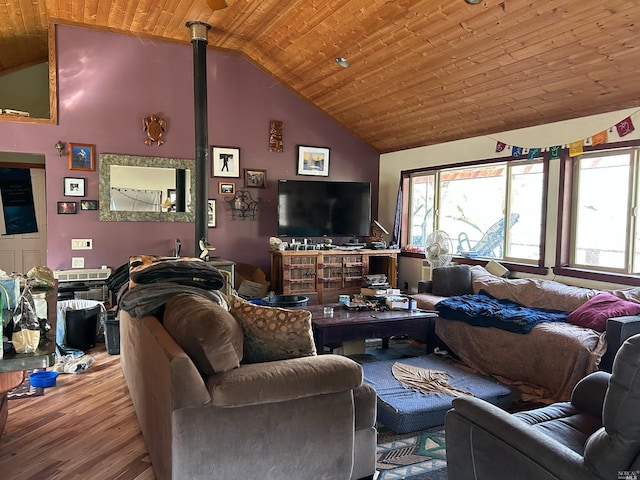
pixel 276 128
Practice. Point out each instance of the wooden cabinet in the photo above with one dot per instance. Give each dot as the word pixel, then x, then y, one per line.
pixel 323 275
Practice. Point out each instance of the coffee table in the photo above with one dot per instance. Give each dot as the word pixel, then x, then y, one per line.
pixel 347 324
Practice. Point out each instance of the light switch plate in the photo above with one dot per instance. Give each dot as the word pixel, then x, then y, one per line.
pixel 81 244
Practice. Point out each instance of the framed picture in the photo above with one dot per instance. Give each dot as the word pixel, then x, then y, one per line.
pixel 255 178
pixel 313 161
pixel 88 205
pixel 74 187
pixel 65 208
pixel 225 188
pixel 211 213
pixel 225 162
pixel 82 157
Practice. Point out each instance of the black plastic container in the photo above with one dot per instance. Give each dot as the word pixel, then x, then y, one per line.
pixel 81 327
pixel 112 334
pixel 285 301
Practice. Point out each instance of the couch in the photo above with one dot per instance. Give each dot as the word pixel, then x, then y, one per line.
pixel 594 436
pixel 546 363
pixel 214 403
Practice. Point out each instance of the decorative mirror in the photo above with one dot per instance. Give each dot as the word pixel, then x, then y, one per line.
pixel 145 189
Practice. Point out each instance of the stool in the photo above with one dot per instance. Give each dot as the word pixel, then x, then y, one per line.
pixel 404 410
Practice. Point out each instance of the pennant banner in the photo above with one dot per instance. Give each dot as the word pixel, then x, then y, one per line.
pixel 554 152
pixel 625 127
pixel 500 146
pixel 533 153
pixel 599 138
pixel 516 151
pixel 576 148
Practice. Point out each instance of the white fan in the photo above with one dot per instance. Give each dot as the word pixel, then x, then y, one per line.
pixel 438 249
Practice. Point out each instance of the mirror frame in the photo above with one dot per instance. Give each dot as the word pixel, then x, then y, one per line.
pixel 53 85
pixel 107 215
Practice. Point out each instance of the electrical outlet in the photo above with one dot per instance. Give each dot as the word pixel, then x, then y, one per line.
pixel 77 262
pixel 81 244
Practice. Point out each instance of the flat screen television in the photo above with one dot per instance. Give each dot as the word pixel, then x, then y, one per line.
pixel 323 208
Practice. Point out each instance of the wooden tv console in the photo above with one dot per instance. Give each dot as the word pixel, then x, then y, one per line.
pixel 323 275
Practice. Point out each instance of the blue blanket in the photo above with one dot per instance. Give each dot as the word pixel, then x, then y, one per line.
pixel 483 310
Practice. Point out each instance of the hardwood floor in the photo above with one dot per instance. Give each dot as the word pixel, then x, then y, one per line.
pixel 83 428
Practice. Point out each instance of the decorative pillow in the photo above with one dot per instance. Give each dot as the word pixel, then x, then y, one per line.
pixel 207 332
pixel 595 312
pixel 272 333
pixel 451 281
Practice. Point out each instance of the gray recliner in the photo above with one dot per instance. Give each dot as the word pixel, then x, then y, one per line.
pixel 594 436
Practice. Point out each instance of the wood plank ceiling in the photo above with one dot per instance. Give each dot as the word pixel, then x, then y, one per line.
pixel 422 71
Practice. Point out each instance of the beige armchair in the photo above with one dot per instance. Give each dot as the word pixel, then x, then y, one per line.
pixel 594 436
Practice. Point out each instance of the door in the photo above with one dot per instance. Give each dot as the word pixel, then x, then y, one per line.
pixel 19 253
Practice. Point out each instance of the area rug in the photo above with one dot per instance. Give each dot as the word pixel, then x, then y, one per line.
pixel 413 456
pixel 25 390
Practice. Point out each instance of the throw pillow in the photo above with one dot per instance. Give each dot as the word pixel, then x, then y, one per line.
pixel 595 312
pixel 273 333
pixel 451 281
pixel 206 331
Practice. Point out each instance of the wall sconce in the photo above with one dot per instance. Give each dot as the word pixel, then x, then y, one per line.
pixel 60 147
pixel 243 206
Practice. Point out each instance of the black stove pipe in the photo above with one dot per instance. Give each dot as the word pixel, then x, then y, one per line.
pixel 199 41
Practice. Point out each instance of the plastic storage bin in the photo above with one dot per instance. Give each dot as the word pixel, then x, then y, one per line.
pixel 285 301
pixel 112 334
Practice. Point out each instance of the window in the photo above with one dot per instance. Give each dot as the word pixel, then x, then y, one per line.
pixel 493 210
pixel 605 235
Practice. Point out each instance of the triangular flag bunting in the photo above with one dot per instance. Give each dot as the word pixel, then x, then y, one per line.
pixel 576 148
pixel 599 138
pixel 625 126
pixel 533 153
pixel 500 146
pixel 516 151
pixel 554 152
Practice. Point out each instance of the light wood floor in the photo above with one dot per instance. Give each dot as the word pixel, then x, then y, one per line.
pixel 83 428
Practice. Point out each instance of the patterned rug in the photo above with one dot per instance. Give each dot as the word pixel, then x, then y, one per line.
pixel 25 389
pixel 414 456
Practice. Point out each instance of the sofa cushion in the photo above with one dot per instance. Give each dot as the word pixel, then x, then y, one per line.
pixel 272 333
pixel 451 281
pixel 207 332
pixel 595 312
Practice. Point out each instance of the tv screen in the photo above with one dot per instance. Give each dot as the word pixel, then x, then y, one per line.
pixel 322 208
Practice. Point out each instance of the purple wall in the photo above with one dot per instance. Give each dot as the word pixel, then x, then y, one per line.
pixel 107 83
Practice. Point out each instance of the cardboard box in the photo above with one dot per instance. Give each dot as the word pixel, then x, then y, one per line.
pixel 396 302
pixel 250 281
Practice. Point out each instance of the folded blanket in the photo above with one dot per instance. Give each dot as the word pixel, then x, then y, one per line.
pixel 146 299
pixel 483 310
pixel 186 271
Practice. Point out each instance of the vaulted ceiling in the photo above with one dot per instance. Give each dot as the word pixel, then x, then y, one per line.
pixel 421 71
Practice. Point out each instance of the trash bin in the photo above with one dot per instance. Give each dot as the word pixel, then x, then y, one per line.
pixel 78 323
pixel 112 333
pixel 285 301
pixel 81 328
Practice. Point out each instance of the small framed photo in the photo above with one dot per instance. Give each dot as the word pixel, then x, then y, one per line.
pixel 313 161
pixel 225 162
pixel 211 213
pixel 82 157
pixel 255 178
pixel 88 205
pixel 225 188
pixel 65 208
pixel 74 187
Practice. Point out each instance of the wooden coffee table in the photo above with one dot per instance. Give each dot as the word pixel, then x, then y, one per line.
pixel 347 324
